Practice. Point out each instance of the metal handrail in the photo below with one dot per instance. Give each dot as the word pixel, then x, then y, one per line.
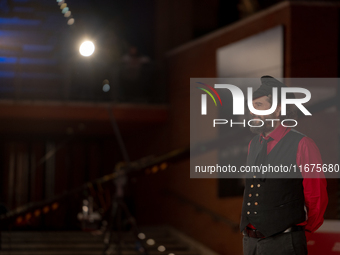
pixel 174 155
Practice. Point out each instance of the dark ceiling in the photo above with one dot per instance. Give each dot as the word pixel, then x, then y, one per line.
pixel 39 56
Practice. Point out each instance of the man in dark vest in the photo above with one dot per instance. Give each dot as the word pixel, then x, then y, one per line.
pixel 279 213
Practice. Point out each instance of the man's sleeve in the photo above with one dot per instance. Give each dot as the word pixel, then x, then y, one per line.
pixel 314 184
pixel 249 146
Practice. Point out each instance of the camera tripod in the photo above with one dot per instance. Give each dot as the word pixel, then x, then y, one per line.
pixel 118 210
pixel 118 206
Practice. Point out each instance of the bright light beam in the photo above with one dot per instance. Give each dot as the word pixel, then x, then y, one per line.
pixel 86 49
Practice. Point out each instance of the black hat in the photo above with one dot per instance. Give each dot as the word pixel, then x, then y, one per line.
pixel 266 89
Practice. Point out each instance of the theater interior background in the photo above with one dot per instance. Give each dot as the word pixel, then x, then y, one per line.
pixel 94 150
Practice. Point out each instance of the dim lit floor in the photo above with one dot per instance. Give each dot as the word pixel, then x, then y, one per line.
pixel 157 240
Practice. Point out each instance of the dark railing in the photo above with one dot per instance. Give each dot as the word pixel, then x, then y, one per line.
pixel 145 163
pixel 135 166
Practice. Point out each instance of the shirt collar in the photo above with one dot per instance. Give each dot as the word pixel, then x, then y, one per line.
pixel 277 133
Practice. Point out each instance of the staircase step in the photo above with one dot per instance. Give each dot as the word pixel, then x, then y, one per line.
pixel 86 243
pixel 99 252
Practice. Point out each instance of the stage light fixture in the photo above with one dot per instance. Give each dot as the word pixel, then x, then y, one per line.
pixel 46 209
pixel 106 85
pixel 163 166
pixel 86 49
pixel 85 208
pixel 66 9
pixel 106 88
pixel 37 213
pixel 64 5
pixel 161 248
pixel 28 216
pixel 70 22
pixel 150 242
pixel 141 236
pixel 55 206
pixel 67 14
pixel 154 169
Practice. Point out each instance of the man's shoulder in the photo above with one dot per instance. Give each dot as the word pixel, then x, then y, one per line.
pixel 297 132
pixel 304 141
pixel 295 135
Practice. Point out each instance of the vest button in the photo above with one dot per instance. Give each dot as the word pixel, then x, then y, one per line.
pixel 248 203
pixel 256 203
pixel 255 212
pixel 252 186
pixel 249 195
pixel 248 212
pixel 258 185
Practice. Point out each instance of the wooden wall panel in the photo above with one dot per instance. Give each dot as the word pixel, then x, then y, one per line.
pixel 313 41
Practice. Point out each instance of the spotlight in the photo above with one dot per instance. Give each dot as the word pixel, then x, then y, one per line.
pixel 86 49
pixel 154 169
pixel 67 14
pixel 106 85
pixel 46 209
pixel 150 242
pixel 106 88
pixel 55 206
pixel 161 248
pixel 141 236
pixel 37 213
pixel 28 216
pixel 163 166
pixel 66 9
pixel 71 22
